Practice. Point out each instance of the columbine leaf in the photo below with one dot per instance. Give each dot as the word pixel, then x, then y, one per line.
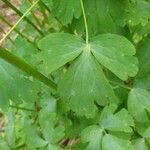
pixel 93 136
pixel 141 144
pixel 16 86
pixel 140 12
pixel 115 53
pixel 143 82
pixel 102 16
pixel 138 102
pixel 85 71
pixel 143 54
pixel 119 122
pixel 48 121
pixel 24 49
pixel 143 129
pixel 113 143
pixel 58 49
pixel 65 10
pixel 85 83
pixel 51 132
pixel 31 136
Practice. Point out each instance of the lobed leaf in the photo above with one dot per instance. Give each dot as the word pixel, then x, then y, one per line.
pixel 84 82
pixel 65 10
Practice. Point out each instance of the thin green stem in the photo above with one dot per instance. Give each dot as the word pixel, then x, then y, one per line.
pixel 85 22
pixel 2 30
pixel 18 21
pixel 16 30
pixel 21 64
pixel 22 108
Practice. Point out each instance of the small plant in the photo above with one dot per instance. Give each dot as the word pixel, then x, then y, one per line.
pixel 75 75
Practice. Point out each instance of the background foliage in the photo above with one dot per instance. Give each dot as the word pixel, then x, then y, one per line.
pixel 75 75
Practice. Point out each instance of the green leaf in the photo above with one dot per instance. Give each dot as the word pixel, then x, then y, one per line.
pixel 31 136
pixel 85 83
pixel 48 121
pixel 57 50
pixel 143 82
pixel 65 10
pixel 48 3
pixel 141 30
pixel 139 12
pixel 143 54
pixel 138 102
pixel 113 143
pixel 76 124
pixel 18 87
pixel 141 144
pixel 10 129
pixel 53 147
pixel 93 136
pixel 24 49
pixel 119 122
pixel 115 53
pixel 143 129
pixel 51 132
pixel 102 16
pixel 4 145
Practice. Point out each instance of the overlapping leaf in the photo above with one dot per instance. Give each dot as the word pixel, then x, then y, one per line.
pixel 139 12
pixel 143 54
pixel 47 119
pixel 138 102
pixel 142 144
pixel 65 10
pixel 102 16
pixel 115 53
pixel 22 128
pixel 143 129
pixel 119 122
pixel 57 50
pixel 101 138
pixel 93 135
pixel 111 142
pixel 16 86
pixel 84 82
pixel 139 96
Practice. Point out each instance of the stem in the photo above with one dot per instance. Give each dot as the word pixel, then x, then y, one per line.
pixel 2 30
pixel 121 85
pixel 22 108
pixel 85 22
pixel 22 17
pixel 21 64
pixel 17 31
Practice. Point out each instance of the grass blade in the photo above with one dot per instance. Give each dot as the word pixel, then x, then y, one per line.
pixel 21 14
pixel 24 66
